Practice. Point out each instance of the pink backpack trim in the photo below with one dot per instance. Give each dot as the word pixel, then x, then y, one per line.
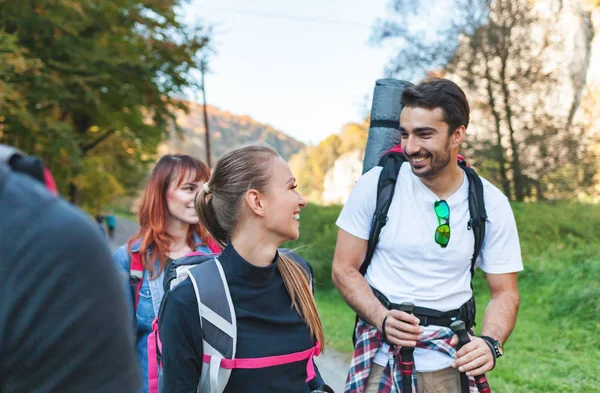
pixel 199 253
pixel 271 361
pixel 136 270
pixel 213 246
pixel 153 344
pixel 49 182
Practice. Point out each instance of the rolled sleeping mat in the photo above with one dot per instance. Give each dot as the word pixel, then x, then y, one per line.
pixel 385 117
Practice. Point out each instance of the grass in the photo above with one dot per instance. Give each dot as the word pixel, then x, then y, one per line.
pixel 555 345
pixel 337 318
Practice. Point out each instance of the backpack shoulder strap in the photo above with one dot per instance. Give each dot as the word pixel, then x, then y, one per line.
pixel 390 163
pixel 476 210
pixel 219 335
pixel 136 274
pixel 176 271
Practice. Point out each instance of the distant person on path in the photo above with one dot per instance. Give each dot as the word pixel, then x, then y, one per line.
pixel 169 229
pixel 250 205
pixel 100 221
pixel 111 224
pixel 424 256
pixel 63 317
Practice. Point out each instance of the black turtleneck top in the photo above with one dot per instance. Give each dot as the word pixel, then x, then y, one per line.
pixel 267 325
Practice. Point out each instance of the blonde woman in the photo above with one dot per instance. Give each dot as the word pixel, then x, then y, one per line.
pixel 250 206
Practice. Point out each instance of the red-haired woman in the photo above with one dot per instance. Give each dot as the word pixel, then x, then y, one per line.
pixel 169 229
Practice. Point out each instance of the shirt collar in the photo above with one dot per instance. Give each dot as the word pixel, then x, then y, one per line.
pixel 234 264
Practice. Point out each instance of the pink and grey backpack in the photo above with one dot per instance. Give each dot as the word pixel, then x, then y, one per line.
pixel 173 274
pixel 218 321
pixel 220 333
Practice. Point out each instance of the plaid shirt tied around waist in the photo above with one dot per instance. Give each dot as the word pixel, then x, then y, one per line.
pixel 369 341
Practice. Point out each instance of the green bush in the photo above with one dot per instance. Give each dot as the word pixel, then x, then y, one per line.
pixel 317 240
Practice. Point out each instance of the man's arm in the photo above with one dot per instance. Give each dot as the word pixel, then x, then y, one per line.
pixel 401 328
pixel 501 312
pixel 499 320
pixel 500 260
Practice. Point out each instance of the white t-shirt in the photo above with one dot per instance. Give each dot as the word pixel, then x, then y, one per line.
pixel 408 266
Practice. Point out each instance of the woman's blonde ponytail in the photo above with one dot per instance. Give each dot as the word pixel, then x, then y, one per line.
pixel 296 281
pixel 208 217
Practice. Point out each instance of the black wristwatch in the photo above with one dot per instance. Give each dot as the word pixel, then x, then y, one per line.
pixel 495 345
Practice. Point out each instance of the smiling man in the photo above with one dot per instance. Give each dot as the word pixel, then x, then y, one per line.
pixel 424 256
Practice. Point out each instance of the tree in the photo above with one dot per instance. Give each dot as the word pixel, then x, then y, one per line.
pixel 94 81
pixel 515 67
pixel 525 84
pixel 425 33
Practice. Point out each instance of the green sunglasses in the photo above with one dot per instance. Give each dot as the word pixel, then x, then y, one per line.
pixel 442 232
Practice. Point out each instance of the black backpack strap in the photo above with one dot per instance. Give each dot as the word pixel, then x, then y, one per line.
pixel 218 322
pixel 476 210
pixel 390 163
pixel 386 186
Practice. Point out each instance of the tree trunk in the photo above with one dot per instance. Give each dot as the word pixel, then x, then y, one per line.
pixel 207 135
pixel 540 190
pixel 81 123
pixel 499 149
pixel 74 193
pixel 515 164
pixel 580 79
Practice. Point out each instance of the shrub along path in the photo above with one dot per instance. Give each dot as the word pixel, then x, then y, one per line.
pixel 333 365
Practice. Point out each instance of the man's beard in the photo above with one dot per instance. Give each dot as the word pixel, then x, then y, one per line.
pixel 437 162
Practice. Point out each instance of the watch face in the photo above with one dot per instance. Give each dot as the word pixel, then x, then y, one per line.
pixel 500 347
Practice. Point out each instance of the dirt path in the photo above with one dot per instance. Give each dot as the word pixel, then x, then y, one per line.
pixel 124 230
pixel 332 365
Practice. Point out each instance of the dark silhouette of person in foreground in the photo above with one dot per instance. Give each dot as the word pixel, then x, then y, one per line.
pixel 64 325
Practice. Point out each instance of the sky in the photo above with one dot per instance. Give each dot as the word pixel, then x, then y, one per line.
pixel 305 68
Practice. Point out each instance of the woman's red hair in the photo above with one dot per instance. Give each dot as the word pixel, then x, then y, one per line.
pixel 152 215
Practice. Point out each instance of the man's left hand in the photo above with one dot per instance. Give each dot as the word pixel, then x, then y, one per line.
pixel 475 358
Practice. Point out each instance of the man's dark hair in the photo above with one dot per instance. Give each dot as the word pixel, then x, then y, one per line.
pixel 439 93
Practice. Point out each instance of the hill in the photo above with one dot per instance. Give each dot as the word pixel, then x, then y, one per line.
pixel 227 130
pixel 312 164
